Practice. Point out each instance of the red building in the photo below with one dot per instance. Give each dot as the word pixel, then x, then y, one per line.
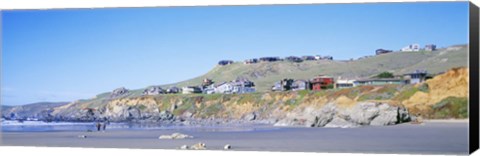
pixel 322 82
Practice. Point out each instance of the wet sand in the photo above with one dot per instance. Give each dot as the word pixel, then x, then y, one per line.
pixel 428 138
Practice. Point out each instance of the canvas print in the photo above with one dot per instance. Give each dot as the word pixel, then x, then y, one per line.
pixel 336 78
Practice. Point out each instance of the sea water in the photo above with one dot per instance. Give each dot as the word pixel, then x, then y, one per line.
pixel 41 126
pixel 36 126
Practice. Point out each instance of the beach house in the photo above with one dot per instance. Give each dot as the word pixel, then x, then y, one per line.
pixel 418 76
pixel 344 83
pixel 238 86
pixel 173 90
pixel 321 82
pixel 300 85
pixel 154 90
pixel 191 90
pixel 283 85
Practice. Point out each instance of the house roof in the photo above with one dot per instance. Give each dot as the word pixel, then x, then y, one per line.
pixel 379 79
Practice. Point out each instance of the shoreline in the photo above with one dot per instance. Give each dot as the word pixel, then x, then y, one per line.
pixel 447 120
pixel 427 138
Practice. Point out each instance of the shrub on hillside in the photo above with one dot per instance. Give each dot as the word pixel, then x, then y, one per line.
pixel 451 107
pixel 385 75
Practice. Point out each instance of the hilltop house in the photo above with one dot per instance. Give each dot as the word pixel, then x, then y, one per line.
pixel 300 85
pixel 225 62
pixel 344 83
pixel 322 82
pixel 382 51
pixel 251 61
pixel 173 90
pixel 191 90
pixel 327 58
pixel 154 90
pixel 415 77
pixel 269 59
pixel 412 47
pixel 430 47
pixel 293 59
pixel 308 58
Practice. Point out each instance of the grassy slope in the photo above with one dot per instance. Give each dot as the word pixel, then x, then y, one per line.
pixel 265 74
pixel 265 104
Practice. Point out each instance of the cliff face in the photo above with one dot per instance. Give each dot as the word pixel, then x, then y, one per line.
pixel 452 84
pixel 303 108
pixel 40 110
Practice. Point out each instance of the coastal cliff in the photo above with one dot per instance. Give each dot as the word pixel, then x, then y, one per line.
pixel 442 97
pixel 304 108
pixel 350 107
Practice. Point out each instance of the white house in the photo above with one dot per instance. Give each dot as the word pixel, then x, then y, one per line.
pixel 344 83
pixel 235 87
pixel 411 47
pixel 191 90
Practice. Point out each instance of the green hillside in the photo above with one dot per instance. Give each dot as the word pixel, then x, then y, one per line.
pixel 264 74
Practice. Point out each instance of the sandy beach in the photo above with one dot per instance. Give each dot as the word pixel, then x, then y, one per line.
pixel 428 138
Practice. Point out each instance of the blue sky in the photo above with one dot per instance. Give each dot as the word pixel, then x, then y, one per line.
pixel 70 54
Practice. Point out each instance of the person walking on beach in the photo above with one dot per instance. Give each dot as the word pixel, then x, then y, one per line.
pixel 104 125
pixel 98 126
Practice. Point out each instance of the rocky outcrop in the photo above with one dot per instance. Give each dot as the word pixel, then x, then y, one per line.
pixel 307 109
pixel 250 117
pixel 121 113
pixel 199 146
pixel 41 110
pixel 361 114
pixel 154 90
pixel 118 92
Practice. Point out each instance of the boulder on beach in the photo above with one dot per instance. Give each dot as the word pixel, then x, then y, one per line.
pixel 250 117
pixel 227 147
pixel 184 147
pixel 199 146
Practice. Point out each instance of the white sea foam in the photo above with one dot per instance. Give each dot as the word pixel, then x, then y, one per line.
pixel 40 123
